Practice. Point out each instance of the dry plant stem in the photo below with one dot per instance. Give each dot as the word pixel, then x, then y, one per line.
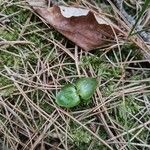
pixel 24 27
pixel 6 18
pixel 14 42
pixel 41 137
pixel 131 20
pixel 101 116
pixel 139 41
pixel 139 127
pixel 96 136
pixel 35 136
pixel 35 84
pixel 43 113
pixel 14 114
pixel 137 138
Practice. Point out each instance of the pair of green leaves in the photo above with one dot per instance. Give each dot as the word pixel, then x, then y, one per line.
pixel 71 95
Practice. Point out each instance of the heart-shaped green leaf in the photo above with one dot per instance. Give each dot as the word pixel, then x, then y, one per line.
pixel 68 97
pixel 86 87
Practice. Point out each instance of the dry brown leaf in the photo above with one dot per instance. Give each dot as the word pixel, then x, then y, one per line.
pixel 81 26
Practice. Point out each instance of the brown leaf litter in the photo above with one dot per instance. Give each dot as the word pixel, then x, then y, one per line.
pixel 82 26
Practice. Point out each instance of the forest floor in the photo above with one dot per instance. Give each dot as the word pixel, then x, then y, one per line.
pixel 36 61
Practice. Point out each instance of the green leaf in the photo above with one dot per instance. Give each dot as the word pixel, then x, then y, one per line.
pixel 68 97
pixel 86 88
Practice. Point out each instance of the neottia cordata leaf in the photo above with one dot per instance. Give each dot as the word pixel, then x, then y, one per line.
pixel 68 97
pixel 86 88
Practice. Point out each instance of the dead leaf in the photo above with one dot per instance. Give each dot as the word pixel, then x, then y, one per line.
pixel 83 27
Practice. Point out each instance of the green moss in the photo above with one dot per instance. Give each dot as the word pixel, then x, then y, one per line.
pixel 7 92
pixel 9 60
pixel 103 70
pixel 46 107
pixel 8 35
pixel 4 81
pixel 108 89
pixel 81 137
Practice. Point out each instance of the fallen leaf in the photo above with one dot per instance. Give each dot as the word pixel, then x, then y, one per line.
pixel 83 27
